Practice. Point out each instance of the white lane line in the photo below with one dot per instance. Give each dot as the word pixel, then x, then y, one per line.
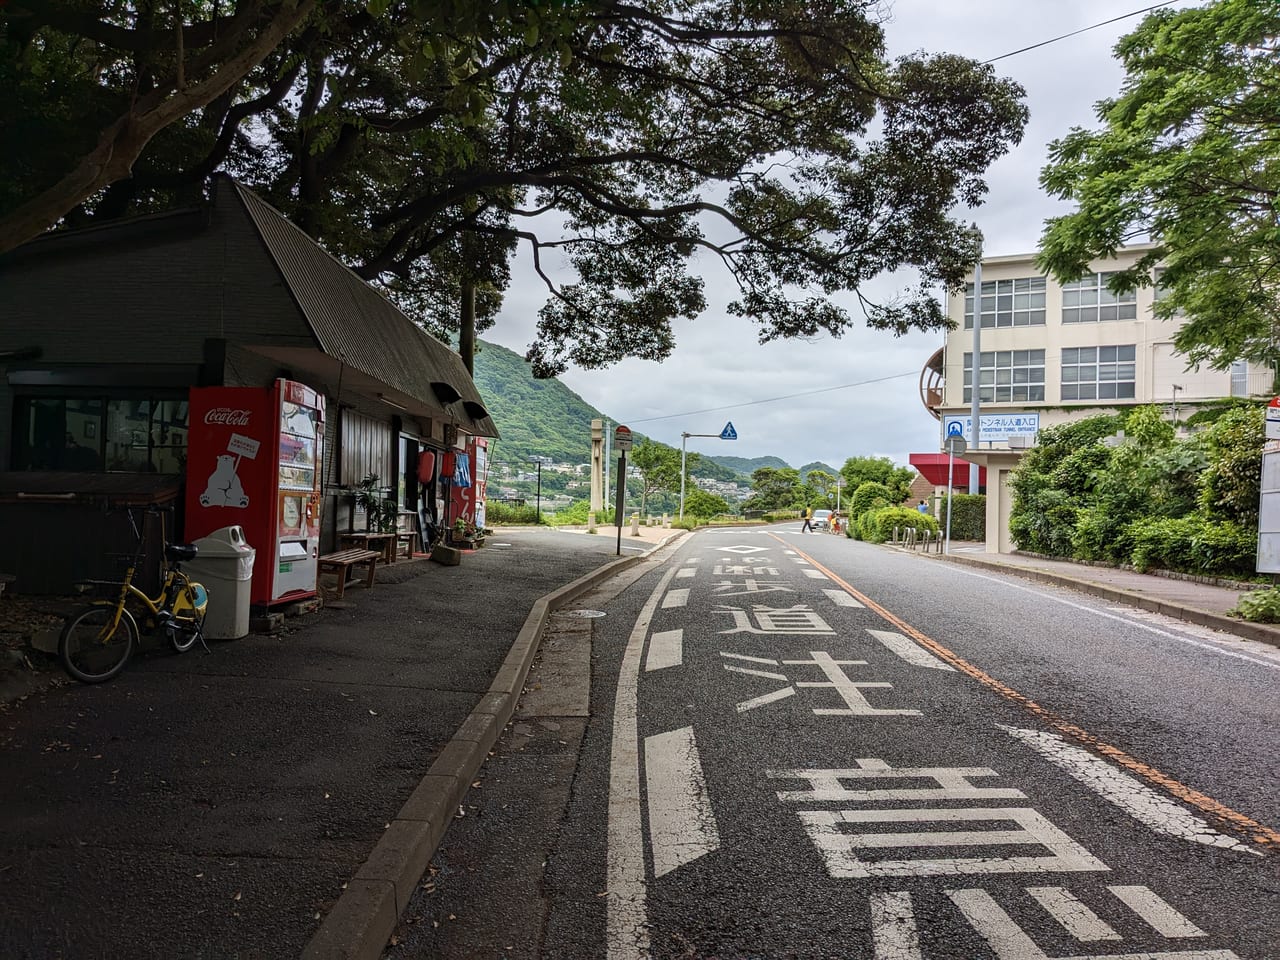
pixel 755 673
pixel 1157 914
pixel 1168 635
pixel 893 927
pixel 1077 919
pixel 815 574
pixel 1154 810
pixel 682 826
pixel 909 650
pixel 841 599
pixel 676 598
pixel 760 701
pixel 627 921
pixel 666 649
pixel 686 573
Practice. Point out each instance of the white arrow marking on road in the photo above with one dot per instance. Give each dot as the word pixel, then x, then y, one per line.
pixel 909 650
pixel 666 649
pixel 1153 810
pixel 841 599
pixel 682 826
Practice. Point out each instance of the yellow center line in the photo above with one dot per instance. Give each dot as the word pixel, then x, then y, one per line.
pixel 1257 832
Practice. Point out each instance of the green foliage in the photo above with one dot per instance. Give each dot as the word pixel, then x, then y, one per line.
pixel 1192 544
pixel 1230 486
pixel 659 468
pixel 859 470
pixel 1044 521
pixel 969 522
pixel 1188 157
pixel 1259 606
pixel 744 467
pixel 699 503
pixel 688 523
pixel 380 512
pixel 577 513
pixel 868 496
pixel 775 489
pixel 877 525
pixel 497 512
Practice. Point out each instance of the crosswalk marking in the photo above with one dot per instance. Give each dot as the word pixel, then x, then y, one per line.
pixel 910 651
pixel 841 599
pixel 1157 914
pixel 893 927
pixel 815 574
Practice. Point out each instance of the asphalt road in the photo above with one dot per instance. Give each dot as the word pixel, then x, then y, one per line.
pixel 803 746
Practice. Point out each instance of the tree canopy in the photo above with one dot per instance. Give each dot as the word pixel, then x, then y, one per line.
pixel 425 143
pixel 859 470
pixel 1188 158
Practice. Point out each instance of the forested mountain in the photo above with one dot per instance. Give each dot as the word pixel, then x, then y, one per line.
pixel 818 465
pixel 545 418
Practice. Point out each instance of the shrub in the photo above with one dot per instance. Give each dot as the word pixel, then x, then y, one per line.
pixel 1229 487
pixel 969 522
pixel 576 514
pixel 876 526
pixel 1045 523
pixel 1259 606
pixel 1100 534
pixel 497 512
pixel 868 496
pixel 688 523
pixel 1192 544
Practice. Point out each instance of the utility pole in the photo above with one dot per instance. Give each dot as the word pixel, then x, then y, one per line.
pixel 977 366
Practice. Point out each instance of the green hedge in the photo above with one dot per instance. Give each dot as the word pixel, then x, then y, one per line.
pixel 876 526
pixel 1192 544
pixel 497 512
pixel 869 496
pixel 969 522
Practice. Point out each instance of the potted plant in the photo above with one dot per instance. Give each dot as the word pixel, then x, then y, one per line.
pixel 464 533
pixel 369 499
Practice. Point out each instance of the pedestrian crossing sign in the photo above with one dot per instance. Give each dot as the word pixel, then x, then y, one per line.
pixel 728 433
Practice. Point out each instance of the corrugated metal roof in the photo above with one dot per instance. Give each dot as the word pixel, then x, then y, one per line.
pixel 355 323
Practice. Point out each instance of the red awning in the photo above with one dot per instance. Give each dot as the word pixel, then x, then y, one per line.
pixel 933 467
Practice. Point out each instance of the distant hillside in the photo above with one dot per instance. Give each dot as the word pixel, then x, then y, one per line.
pixel 747 467
pixel 818 465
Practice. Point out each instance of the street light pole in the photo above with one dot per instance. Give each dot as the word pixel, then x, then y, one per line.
pixel 977 366
pixel 683 438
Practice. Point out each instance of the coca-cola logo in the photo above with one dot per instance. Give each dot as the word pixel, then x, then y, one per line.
pixel 228 416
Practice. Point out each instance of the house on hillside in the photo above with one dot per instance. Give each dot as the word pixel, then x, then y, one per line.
pixel 106 330
pixel 1050 353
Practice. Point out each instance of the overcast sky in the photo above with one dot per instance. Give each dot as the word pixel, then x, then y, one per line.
pixel 875 409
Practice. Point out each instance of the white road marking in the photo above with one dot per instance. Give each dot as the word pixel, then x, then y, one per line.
pixel 1009 941
pixel 800 561
pixel 676 598
pixel 893 927
pixel 627 922
pixel 952 783
pixel 909 650
pixel 743 548
pixel 856 705
pixel 1153 810
pixel 743 656
pixel 838 847
pixel 755 673
pixel 1077 919
pixel 686 573
pixel 841 599
pixel 1157 914
pixel 816 574
pixel 760 701
pixel 682 826
pixel 1167 634
pixel 666 649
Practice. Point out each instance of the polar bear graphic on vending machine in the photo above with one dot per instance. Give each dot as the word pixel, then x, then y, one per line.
pixel 224 488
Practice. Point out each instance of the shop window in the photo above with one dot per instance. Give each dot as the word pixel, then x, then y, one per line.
pixel 99 433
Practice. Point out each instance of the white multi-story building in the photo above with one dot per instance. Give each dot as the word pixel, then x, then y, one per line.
pixel 1050 353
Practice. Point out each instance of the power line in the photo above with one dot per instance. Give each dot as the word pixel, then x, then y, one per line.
pixel 1092 26
pixel 790 396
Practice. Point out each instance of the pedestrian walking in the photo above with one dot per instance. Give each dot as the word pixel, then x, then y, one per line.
pixel 807 527
pixel 923 507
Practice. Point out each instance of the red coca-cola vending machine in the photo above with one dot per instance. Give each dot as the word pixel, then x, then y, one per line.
pixel 254 459
pixel 468 476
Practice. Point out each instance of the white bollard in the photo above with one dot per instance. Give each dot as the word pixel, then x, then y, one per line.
pixel 635 524
pixel 666 522
pixel 591 523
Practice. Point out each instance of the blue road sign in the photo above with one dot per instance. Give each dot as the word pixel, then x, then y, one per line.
pixel 954 429
pixel 728 433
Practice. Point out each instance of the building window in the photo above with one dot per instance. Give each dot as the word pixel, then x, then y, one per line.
pixel 1006 376
pixel 1240 378
pixel 90 434
pixel 1160 291
pixel 1008 303
pixel 1098 373
pixel 1088 300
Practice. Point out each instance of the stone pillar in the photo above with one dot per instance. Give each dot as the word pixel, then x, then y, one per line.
pixel 597 468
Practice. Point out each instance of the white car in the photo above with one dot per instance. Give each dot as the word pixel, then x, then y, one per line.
pixel 821 519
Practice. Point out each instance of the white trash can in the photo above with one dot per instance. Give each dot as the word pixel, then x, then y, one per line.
pixel 224 564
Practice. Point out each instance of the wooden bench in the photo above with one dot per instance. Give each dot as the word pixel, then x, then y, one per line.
pixel 344 560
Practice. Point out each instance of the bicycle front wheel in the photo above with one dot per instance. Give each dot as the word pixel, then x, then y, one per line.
pixel 91 650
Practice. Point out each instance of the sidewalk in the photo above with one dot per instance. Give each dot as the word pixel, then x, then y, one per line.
pixel 1207 604
pixel 225 804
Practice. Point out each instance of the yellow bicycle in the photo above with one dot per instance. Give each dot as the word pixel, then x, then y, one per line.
pixel 97 641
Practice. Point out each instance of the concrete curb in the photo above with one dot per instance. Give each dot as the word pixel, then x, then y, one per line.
pixel 1240 628
pixel 362 921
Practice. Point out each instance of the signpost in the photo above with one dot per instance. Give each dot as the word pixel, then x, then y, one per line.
pixel 955 445
pixel 728 433
pixel 621 440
